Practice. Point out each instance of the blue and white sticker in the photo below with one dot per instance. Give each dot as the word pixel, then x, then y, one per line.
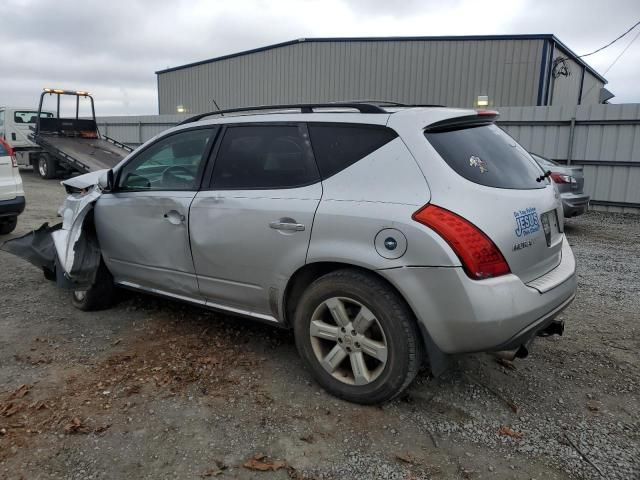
pixel 526 222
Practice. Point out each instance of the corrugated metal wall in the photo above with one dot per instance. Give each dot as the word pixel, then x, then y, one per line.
pixel 605 139
pixel 445 72
pixel 565 89
pixel 591 90
pixel 135 130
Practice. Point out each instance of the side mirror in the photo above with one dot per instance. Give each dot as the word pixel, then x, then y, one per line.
pixel 105 182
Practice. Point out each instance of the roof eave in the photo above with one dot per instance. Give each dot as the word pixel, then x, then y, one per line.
pixel 538 36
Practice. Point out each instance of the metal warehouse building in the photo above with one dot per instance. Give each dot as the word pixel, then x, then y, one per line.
pixel 469 71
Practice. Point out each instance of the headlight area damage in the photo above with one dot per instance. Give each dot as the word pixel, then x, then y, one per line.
pixel 68 252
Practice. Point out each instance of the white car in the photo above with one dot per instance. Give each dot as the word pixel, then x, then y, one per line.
pixel 11 192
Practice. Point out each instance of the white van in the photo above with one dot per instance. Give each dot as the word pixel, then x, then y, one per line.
pixel 15 128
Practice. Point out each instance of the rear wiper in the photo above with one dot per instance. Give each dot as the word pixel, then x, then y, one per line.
pixel 546 174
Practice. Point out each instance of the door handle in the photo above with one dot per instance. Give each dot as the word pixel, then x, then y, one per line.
pixel 174 217
pixel 289 226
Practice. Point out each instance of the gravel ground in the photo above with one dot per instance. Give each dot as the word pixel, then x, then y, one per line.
pixel 157 389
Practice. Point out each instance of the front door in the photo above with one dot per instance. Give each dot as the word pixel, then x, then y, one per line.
pixel 250 229
pixel 143 226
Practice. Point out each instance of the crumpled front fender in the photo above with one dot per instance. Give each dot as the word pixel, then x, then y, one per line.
pixel 69 250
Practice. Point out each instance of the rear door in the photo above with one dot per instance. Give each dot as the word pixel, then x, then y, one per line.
pixel 498 187
pixel 250 229
pixel 143 226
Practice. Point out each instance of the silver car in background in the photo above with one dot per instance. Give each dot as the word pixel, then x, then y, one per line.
pixel 570 182
pixel 381 236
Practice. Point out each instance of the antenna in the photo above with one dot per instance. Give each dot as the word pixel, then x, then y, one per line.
pixel 216 104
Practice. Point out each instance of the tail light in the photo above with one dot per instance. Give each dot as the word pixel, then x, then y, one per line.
pixel 10 151
pixel 561 178
pixel 479 255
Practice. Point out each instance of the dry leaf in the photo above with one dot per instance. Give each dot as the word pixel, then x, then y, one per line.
pixel 10 408
pixel 215 471
pixel 506 363
pixel 103 428
pixel 263 463
pixel 407 458
pixel 38 405
pixel 76 426
pixel 20 392
pixel 593 405
pixel 509 432
pixel 308 438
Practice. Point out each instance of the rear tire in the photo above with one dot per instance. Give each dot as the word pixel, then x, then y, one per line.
pixel 98 296
pixel 8 225
pixel 358 337
pixel 47 167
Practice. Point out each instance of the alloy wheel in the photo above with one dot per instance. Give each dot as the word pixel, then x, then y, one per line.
pixel 348 341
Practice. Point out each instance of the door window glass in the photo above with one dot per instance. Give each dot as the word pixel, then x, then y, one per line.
pixel 264 157
pixel 172 163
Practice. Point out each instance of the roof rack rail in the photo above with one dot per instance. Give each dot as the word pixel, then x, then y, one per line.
pixel 303 107
pixel 391 103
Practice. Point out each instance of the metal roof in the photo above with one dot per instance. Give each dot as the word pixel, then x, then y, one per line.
pixel 543 36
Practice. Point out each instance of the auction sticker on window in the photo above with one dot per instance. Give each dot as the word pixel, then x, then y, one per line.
pixel 526 222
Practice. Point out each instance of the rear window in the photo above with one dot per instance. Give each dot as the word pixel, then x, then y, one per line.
pixel 544 162
pixel 486 155
pixel 29 116
pixel 3 151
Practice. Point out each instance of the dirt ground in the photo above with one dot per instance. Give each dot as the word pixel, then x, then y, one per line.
pixel 157 389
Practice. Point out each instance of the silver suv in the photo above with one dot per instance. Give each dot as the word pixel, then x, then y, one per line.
pixel 382 235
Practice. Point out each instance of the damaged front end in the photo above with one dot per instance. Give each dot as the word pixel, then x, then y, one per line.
pixel 68 252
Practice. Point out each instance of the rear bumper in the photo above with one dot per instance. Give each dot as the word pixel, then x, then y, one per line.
pixel 13 207
pixel 574 204
pixel 463 315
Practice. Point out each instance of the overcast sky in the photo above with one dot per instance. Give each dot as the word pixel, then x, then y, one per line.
pixel 112 48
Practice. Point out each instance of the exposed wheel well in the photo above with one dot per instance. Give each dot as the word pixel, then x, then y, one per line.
pixel 306 275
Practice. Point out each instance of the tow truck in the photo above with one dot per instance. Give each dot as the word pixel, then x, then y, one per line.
pixel 73 144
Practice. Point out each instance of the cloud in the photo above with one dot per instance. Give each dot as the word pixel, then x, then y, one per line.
pixel 113 48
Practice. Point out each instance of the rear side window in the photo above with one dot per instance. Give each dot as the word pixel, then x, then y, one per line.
pixel 3 151
pixel 488 156
pixel 264 157
pixel 336 147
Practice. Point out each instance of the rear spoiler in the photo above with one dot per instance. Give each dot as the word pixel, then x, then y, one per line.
pixel 481 118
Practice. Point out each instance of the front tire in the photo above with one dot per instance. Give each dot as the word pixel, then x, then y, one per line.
pixel 358 337
pixel 8 225
pixel 98 296
pixel 47 167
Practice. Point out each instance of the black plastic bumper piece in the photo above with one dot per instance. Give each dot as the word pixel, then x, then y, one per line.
pixel 554 328
pixel 13 207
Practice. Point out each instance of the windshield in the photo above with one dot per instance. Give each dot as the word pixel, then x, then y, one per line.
pixel 486 155
pixel 29 116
